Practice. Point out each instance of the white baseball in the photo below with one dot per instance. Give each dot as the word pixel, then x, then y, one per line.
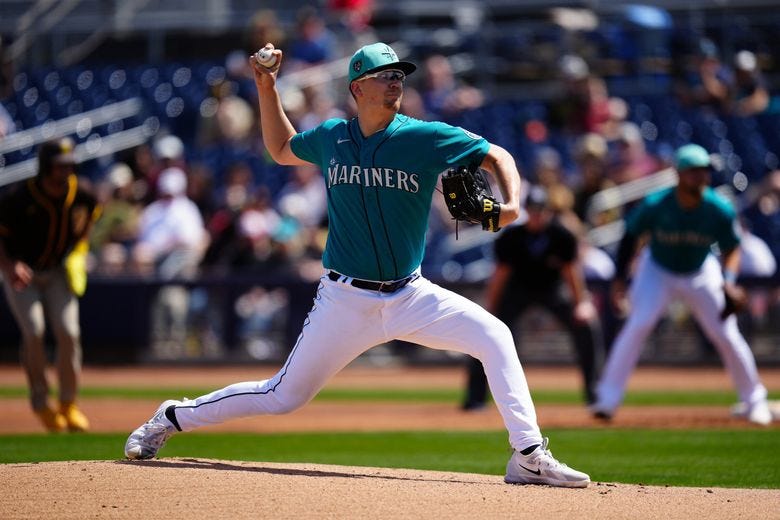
pixel 265 57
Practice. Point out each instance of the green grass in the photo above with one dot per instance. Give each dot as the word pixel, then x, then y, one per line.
pixel 443 395
pixel 747 458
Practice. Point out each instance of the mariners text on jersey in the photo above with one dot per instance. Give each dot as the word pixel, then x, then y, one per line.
pixel 688 238
pixel 370 177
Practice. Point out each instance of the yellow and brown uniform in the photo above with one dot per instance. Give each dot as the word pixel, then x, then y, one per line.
pixel 41 231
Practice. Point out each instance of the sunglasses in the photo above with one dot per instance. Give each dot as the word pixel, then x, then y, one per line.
pixel 389 75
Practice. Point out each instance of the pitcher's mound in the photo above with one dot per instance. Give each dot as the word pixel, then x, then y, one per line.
pixel 201 488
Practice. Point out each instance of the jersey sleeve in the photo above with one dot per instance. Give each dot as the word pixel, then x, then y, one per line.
pixel 307 145
pixel 311 144
pixel 457 146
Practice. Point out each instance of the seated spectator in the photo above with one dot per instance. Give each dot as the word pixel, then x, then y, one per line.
pixel 230 123
pixel 750 95
pixel 704 81
pixel 629 159
pixel 257 224
pixel 617 114
pixel 167 152
pixel 548 167
pixel 200 189
pixel 354 16
pixel 117 228
pixel 590 156
pixel 304 196
pixel 313 42
pixel 223 224
pixel 170 245
pixel 171 232
pixel 442 94
pixel 582 105
pixel 320 106
pixel 263 27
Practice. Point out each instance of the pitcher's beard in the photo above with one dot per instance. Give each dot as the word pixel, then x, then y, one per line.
pixel 392 104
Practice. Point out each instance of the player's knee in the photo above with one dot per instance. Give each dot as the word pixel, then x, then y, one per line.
pixel 498 337
pixel 289 402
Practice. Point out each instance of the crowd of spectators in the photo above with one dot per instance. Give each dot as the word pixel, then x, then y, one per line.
pixel 169 214
pixel 585 140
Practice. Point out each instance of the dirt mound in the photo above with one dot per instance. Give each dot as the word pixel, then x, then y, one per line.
pixel 201 488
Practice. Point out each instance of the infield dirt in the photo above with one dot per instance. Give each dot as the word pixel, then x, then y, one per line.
pixel 199 488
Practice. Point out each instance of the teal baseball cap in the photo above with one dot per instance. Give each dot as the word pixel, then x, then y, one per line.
pixel 691 156
pixel 376 57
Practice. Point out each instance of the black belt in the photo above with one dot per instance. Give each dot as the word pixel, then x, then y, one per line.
pixel 388 287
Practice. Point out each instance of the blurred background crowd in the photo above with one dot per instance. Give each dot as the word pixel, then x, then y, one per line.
pixel 590 99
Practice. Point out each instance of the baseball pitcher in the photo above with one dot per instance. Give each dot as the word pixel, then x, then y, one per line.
pixel 381 169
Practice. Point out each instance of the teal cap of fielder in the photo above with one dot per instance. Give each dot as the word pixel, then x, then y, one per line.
pixel 691 156
pixel 376 57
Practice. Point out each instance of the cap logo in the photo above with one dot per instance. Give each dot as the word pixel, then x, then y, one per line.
pixel 357 65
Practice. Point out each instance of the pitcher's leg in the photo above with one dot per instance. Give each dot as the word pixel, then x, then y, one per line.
pixel 437 318
pixel 332 336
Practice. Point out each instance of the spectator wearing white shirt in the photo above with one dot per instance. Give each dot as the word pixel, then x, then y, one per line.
pixel 171 230
pixel 171 242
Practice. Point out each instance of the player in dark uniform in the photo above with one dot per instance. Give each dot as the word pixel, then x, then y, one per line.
pixel 537 264
pixel 44 223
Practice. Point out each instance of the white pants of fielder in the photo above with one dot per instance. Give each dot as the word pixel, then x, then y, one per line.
pixel 345 321
pixel 702 291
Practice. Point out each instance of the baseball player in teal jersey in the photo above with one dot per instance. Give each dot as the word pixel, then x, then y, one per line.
pixel 683 223
pixel 381 169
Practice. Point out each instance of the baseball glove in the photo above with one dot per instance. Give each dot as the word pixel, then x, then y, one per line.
pixel 736 300
pixel 469 197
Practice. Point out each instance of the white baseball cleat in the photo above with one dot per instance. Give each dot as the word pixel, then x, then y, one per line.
pixel 760 414
pixel 540 467
pixel 757 414
pixel 147 439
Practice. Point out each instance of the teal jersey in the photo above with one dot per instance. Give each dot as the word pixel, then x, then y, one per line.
pixel 680 239
pixel 380 189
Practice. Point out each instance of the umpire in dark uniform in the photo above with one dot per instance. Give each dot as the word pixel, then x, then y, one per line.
pixel 44 223
pixel 537 264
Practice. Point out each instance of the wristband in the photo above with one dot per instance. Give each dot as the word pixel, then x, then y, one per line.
pixel 730 276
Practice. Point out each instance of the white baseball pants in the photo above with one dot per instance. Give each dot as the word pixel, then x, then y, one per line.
pixel 346 321
pixel 702 291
